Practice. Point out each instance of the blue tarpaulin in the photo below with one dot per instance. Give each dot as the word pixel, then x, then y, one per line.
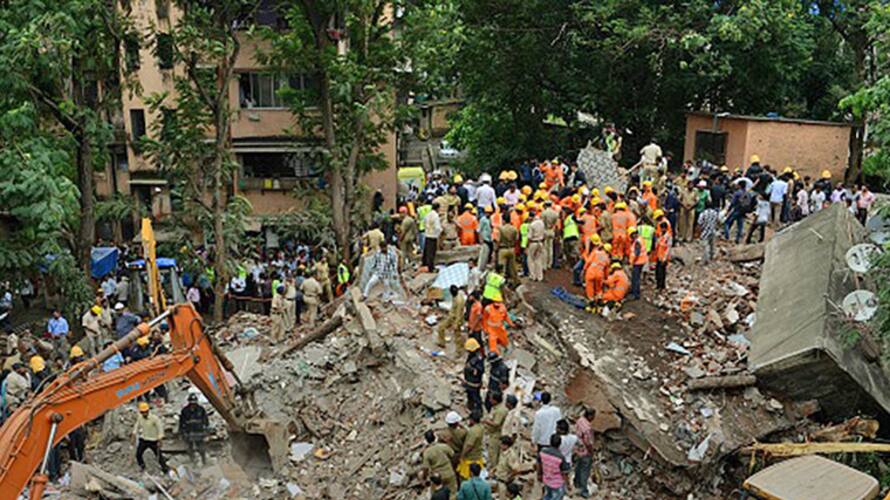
pixel 163 263
pixel 103 260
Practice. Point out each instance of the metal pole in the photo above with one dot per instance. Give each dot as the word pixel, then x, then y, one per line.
pixel 49 445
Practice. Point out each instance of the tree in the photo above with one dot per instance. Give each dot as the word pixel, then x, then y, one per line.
pixel 60 56
pixel 348 46
pixel 205 43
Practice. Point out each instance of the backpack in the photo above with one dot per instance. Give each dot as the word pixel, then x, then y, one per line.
pixel 747 202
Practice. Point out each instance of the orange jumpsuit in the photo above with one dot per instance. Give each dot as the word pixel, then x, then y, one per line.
pixel 616 286
pixel 493 318
pixel 662 251
pixel 552 175
pixel 496 220
pixel 515 219
pixel 652 257
pixel 468 225
pixel 621 221
pixel 651 199
pixel 595 273
pixel 588 225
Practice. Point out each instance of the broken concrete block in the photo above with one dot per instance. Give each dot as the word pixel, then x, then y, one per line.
pixel 731 315
pixel 745 253
pixel 524 358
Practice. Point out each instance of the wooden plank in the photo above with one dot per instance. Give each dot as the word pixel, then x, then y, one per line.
pixel 724 382
pixel 798 449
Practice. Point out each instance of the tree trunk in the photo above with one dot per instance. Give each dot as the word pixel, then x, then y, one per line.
pixel 87 229
pixel 339 187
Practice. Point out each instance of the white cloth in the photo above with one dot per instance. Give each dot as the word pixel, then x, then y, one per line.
pixel 777 191
pixel 567 445
pixel 545 424
pixel 650 153
pixel 803 202
pixel 817 199
pixel 485 196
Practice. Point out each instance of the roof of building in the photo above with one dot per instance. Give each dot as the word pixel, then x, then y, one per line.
pixel 780 119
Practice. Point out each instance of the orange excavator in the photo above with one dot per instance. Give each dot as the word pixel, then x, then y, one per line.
pixel 80 395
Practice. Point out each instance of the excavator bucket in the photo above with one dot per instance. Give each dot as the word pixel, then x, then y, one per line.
pixel 262 445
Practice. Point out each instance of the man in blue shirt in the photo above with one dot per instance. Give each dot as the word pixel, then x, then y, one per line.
pixel 112 363
pixel 125 322
pixel 57 327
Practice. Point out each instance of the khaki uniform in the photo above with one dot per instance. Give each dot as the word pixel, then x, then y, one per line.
pixel 311 292
pixel 92 332
pixel 407 239
pixel 290 308
pixel 438 458
pixel 605 226
pixel 506 252
pixel 323 275
pixel 686 224
pixel 509 462
pixel 279 304
pixel 454 437
pixel 449 236
pixel 536 255
pixel 472 450
pixel 550 217
pixel 374 237
pixel 454 321
pixel 17 389
pixel 512 424
pixel 493 425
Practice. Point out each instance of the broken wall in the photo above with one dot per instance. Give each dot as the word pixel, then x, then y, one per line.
pixel 601 169
pixel 800 344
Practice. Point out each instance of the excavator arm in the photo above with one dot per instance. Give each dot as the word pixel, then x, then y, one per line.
pixel 79 396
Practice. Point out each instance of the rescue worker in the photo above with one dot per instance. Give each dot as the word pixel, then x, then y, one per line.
pixel 149 431
pixel 506 261
pixel 474 369
pixel 342 277
pixel 639 257
pixel 473 445
pixel 450 233
pixel 662 254
pixel 604 223
pixel 551 221
pixel 323 275
pixel 474 318
pixel 649 196
pixel 617 286
pixel 438 458
pixel 279 304
pixel 588 223
pixel 493 424
pixel 622 219
pixel 311 292
pixel 570 235
pixel 90 321
pixel 468 225
pixel 193 427
pixel 493 317
pixel 454 321
pixel 595 271
pixel 492 292
pixel 498 377
pixel 76 356
pixel 537 258
pixel 454 435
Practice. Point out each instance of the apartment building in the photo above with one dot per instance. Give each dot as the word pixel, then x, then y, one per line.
pixel 274 155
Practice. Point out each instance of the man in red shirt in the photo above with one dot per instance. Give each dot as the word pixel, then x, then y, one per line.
pixel 553 470
pixel 584 451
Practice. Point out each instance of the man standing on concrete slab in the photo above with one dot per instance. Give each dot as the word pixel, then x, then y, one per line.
pixel 432 230
pixel 149 431
pixel 474 370
pixel 493 424
pixel 584 451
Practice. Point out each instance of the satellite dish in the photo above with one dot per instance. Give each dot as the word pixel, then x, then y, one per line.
pixel 860 305
pixel 860 257
pixel 878 228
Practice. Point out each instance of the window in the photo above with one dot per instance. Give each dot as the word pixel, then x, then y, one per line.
pixel 280 165
pixel 132 59
pixel 164 50
pixel 710 146
pixel 137 127
pixel 260 90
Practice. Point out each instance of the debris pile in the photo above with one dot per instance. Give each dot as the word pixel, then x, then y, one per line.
pixel 601 169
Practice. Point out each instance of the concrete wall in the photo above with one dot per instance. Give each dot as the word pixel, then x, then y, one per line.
pixel 808 147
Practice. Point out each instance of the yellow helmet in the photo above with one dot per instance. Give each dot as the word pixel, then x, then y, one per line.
pixel 647 183
pixel 143 340
pixel 595 192
pixel 755 159
pixel 143 406
pixel 76 352
pixel 607 247
pixel 596 200
pixel 469 206
pixel 503 175
pixel 632 230
pixel 37 364
pixel 596 238
pixel 522 197
pixel 471 345
pixel 576 198
pixel 724 168
pixel 584 191
pixel 796 176
pixel 488 209
pixel 616 265
pixel 458 178
pixel 542 185
pixel 511 175
pixel 787 170
pixel 826 174
pixel 520 206
pixel 539 195
pixel 620 205
pixel 96 310
pixel 526 190
pixel 581 210
pixel 658 213
pixel 608 189
pixel 501 200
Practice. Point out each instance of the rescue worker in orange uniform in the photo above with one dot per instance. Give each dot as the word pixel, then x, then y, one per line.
pixel 468 225
pixel 595 271
pixel 663 245
pixel 474 322
pixel 498 219
pixel 493 317
pixel 649 196
pixel 658 217
pixel 588 223
pixel 552 175
pixel 622 219
pixel 639 257
pixel 617 286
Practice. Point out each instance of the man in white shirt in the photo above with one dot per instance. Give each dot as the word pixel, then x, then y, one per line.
pixel 650 155
pixel 777 191
pixel 485 194
pixel 545 420
pixel 432 228
pixel 109 287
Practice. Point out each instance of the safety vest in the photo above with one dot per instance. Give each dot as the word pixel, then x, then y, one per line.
pixel 643 258
pixel 493 284
pixel 275 284
pixel 523 235
pixel 647 234
pixel 421 215
pixel 343 273
pixel 569 228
